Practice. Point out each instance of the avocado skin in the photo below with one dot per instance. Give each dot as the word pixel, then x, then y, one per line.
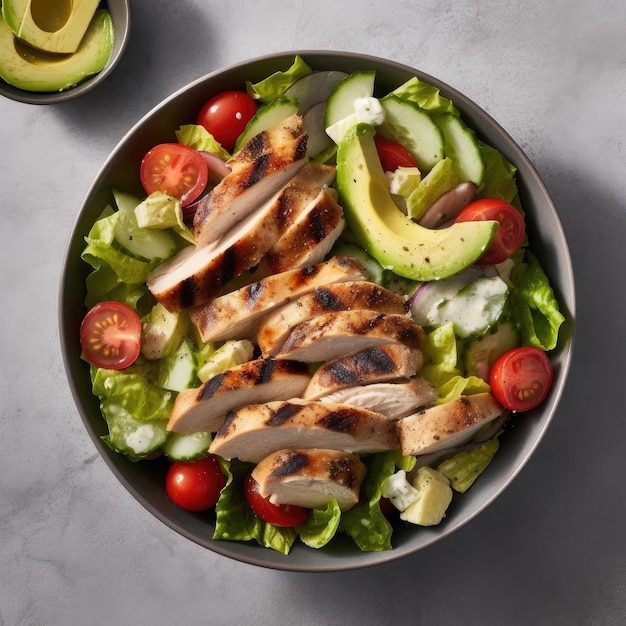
pixel 392 238
pixel 46 72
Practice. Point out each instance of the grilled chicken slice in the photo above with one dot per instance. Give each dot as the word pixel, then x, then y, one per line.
pixel 332 335
pixel 393 400
pixel 275 327
pixel 256 431
pixel 310 478
pixel 204 409
pixel 375 364
pixel 236 314
pixel 258 170
pixel 309 239
pixel 196 274
pixel 446 425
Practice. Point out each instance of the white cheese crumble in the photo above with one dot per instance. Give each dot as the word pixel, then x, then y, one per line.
pixel 369 111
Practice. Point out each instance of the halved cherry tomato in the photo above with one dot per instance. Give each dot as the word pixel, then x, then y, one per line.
pixel 225 116
pixel 285 515
pixel 174 169
pixel 393 155
pixel 195 485
pixel 521 378
pixel 110 335
pixel 511 230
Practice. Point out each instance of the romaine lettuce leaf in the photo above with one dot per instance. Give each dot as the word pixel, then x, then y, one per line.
pixel 499 178
pixel 132 390
pixel 534 306
pixel 235 520
pixel 366 523
pixel 321 526
pixel 198 137
pixel 100 248
pixel 277 83
pixel 425 96
pixel 161 211
pixel 441 366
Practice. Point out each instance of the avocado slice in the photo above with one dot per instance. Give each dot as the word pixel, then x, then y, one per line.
pixel 25 67
pixel 386 233
pixel 50 25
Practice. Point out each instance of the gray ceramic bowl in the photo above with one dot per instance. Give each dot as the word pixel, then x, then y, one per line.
pixel 144 480
pixel 121 17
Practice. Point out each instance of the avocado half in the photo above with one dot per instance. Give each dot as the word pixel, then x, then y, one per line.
pixel 386 233
pixel 33 70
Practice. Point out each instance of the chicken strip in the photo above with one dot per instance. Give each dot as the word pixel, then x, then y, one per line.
pixel 375 364
pixel 236 314
pixel 310 478
pixel 256 431
pixel 332 335
pixel 274 329
pixel 258 170
pixel 446 425
pixel 261 380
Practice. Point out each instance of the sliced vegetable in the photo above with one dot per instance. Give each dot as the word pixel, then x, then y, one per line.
pixel 110 335
pixel 521 378
pixel 176 170
pixel 511 231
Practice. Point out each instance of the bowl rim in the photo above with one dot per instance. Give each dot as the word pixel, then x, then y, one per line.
pixel 313 562
pixel 122 21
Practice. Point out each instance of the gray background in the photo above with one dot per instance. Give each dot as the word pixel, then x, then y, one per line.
pixel 75 548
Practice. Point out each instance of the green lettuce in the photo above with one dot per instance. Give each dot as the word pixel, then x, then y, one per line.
pixel 425 96
pixel 321 526
pixel 101 249
pixel 198 137
pixel 161 211
pixel 277 83
pixel 441 366
pixel 132 390
pixel 499 178
pixel 235 520
pixel 366 523
pixel 534 306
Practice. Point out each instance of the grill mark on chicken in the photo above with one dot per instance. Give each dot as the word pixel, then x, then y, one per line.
pixel 291 463
pixel 327 300
pixel 343 420
pixel 368 361
pixel 283 414
pixel 342 472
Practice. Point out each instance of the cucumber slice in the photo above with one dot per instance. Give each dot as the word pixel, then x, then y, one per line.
pixel 480 354
pixel 187 447
pixel 415 129
pixel 340 102
pixel 461 146
pixel 144 244
pixel 179 370
pixel 314 88
pixel 266 117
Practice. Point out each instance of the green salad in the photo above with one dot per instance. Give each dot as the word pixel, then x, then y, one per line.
pixel 428 212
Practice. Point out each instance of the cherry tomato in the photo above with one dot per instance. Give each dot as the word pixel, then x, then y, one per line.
pixel 174 169
pixel 521 378
pixel 393 155
pixel 511 230
pixel 195 485
pixel 110 335
pixel 225 116
pixel 285 515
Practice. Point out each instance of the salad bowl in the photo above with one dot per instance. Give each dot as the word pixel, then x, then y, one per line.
pixel 145 480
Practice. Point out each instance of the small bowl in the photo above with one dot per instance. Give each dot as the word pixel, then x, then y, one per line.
pixel 145 480
pixel 121 17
